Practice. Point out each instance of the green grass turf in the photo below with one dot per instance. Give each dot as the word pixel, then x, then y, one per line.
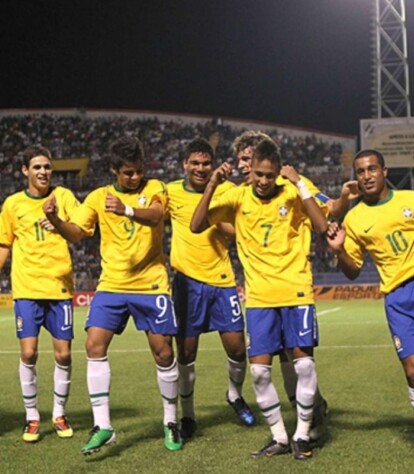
pixel 371 423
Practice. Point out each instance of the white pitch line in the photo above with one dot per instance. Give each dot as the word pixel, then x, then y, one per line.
pixel 218 349
pixel 326 311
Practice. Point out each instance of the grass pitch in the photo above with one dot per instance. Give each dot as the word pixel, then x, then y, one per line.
pixel 371 423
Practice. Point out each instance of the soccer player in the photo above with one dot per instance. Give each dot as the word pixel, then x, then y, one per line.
pixel 205 294
pixel 382 224
pixel 133 281
pixel 270 218
pixel 42 285
pixel 243 148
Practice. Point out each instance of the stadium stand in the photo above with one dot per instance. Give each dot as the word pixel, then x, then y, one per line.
pixel 77 135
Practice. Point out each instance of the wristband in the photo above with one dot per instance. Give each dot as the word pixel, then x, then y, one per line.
pixel 303 190
pixel 129 211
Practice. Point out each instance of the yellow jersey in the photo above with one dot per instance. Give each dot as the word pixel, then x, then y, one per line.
pixel 386 231
pixel 272 244
pixel 41 262
pixel 203 257
pixel 132 256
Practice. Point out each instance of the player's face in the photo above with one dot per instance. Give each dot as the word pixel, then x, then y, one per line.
pixel 264 174
pixel 38 175
pixel 129 176
pixel 371 178
pixel 244 163
pixel 198 167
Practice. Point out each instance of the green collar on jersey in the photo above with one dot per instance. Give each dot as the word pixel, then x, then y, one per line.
pixel 266 198
pixel 387 198
pixel 131 191
pixel 184 183
pixel 26 191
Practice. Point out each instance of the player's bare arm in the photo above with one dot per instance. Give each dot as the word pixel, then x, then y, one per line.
pixel 4 255
pixel 335 235
pixel 71 232
pixel 339 207
pixel 289 172
pixel 199 221
pixel 149 217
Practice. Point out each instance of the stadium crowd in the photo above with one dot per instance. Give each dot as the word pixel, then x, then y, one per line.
pixel 76 135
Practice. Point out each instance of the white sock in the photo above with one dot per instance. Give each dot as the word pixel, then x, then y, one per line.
pixel 305 396
pixel 268 400
pixel 167 378
pixel 61 379
pixel 237 374
pixel 98 376
pixel 186 388
pixel 411 395
pixel 28 383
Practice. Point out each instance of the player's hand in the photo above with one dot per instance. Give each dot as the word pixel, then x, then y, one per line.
pixel 220 174
pixel 351 190
pixel 289 172
pixel 51 209
pixel 114 204
pixel 335 236
pixel 45 223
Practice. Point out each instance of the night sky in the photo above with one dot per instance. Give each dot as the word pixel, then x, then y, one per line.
pixel 296 62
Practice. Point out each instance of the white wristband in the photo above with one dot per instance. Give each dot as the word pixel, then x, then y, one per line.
pixel 303 190
pixel 129 211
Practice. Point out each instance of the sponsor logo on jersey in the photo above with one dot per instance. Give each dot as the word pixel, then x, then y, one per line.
pixel 142 200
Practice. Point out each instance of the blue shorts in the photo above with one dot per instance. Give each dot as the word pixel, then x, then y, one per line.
pixel 399 308
pixel 55 315
pixel 203 308
pixel 111 311
pixel 271 330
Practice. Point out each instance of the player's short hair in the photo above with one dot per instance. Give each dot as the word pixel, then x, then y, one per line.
pixel 370 152
pixel 267 149
pixel 249 138
pixel 198 145
pixel 33 151
pixel 126 149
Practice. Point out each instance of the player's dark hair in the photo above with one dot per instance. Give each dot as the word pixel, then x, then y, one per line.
pixel 370 152
pixel 126 149
pixel 35 150
pixel 198 145
pixel 267 149
pixel 249 138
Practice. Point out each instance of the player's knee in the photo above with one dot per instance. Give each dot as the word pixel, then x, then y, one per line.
pixel 95 350
pixel 261 374
pixel 304 366
pixel 63 358
pixel 29 355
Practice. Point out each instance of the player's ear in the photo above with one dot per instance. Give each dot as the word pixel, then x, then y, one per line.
pixel 385 171
pixel 25 170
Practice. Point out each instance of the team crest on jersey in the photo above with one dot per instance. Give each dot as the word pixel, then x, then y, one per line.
pixel 397 343
pixel 19 323
pixel 283 210
pixel 407 212
pixel 142 200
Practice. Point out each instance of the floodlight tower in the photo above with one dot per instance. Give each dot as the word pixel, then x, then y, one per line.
pixel 390 79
